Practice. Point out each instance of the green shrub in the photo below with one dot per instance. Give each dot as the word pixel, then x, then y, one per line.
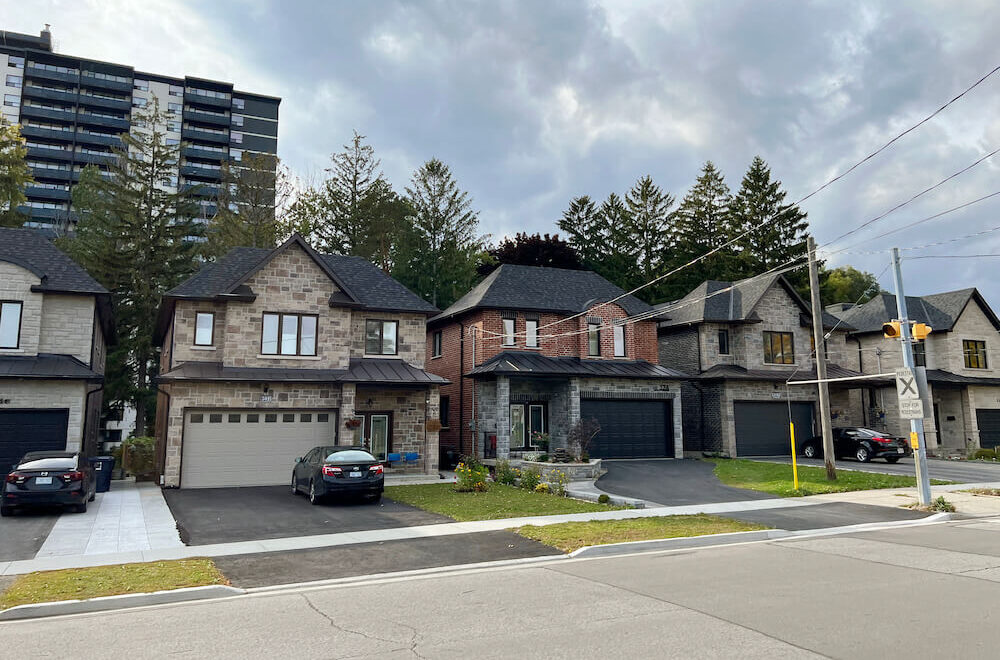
pixel 530 478
pixel 604 498
pixel 941 504
pixel 543 458
pixel 139 456
pixel 542 488
pixel 985 454
pixel 558 481
pixel 505 474
pixel 471 477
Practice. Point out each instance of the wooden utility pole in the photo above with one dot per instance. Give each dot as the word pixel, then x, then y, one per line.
pixel 820 357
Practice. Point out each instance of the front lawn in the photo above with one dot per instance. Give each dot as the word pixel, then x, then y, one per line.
pixel 776 478
pixel 499 501
pixel 83 583
pixel 575 535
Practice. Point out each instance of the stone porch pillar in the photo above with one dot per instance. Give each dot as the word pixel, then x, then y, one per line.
pixel 573 403
pixel 503 417
pixel 348 393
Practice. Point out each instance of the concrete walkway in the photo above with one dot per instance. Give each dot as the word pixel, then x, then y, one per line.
pixel 129 518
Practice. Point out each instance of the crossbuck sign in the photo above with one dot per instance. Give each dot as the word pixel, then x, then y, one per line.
pixel 910 405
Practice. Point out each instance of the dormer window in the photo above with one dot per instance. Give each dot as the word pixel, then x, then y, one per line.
pixel 10 324
pixel 204 330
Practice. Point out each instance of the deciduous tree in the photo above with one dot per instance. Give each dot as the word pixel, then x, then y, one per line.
pixel 532 250
pixel 14 175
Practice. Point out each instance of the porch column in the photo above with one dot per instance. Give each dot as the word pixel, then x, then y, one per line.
pixel 503 417
pixel 431 437
pixel 348 392
pixel 573 403
pixel 678 420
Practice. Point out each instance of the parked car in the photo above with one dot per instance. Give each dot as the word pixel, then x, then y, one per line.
pixel 47 478
pixel 326 471
pixel 860 443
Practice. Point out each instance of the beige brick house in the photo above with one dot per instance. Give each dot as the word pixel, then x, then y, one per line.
pixel 962 367
pixel 270 352
pixel 743 341
pixel 55 322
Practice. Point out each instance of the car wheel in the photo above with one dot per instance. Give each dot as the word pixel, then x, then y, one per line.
pixel 862 454
pixel 93 496
pixel 6 511
pixel 377 498
pixel 313 496
pixel 810 451
pixel 81 507
pixel 295 485
pixel 892 459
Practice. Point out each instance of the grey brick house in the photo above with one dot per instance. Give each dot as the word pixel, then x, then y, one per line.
pixel 960 355
pixel 55 324
pixel 270 352
pixel 742 341
pixel 534 350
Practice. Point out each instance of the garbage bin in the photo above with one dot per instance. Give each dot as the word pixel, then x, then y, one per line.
pixel 103 465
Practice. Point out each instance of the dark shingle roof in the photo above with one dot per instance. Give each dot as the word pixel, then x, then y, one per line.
pixel 542 289
pixel 46 366
pixel 940 376
pixel 939 310
pixel 714 301
pixel 31 249
pixel 518 363
pixel 365 284
pixel 733 372
pixel 362 370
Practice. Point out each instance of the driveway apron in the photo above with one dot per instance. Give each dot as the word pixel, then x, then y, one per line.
pixel 671 482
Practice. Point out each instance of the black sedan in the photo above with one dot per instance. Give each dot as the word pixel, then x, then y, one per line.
pixel 326 471
pixel 49 478
pixel 860 443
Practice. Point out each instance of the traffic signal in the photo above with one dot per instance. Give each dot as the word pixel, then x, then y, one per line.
pixel 921 330
pixel 891 330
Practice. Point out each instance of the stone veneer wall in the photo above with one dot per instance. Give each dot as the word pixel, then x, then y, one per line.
pixel 737 390
pixel 67 326
pixel 411 336
pixel 410 410
pixel 185 315
pixel 15 284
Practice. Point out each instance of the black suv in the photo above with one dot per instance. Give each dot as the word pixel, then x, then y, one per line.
pixel 860 443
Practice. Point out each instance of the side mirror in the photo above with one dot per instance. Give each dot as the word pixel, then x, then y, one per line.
pixel 298 460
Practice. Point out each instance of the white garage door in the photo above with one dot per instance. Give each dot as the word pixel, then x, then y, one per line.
pixel 250 448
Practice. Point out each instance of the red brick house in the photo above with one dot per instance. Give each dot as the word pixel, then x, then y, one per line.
pixel 533 350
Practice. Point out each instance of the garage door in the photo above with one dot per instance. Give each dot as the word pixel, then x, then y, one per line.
pixel 630 429
pixel 989 428
pixel 22 431
pixel 762 427
pixel 249 448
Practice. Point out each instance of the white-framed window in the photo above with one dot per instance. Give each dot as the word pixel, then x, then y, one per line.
pixel 619 336
pixel 10 323
pixel 204 329
pixel 381 337
pixel 508 332
pixel 531 333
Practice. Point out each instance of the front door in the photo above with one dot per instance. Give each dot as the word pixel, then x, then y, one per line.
pixel 375 433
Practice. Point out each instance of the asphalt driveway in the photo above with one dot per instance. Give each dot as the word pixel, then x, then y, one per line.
pixel 23 534
pixel 671 482
pixel 223 515
pixel 957 471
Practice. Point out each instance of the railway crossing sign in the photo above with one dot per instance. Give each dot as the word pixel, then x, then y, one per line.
pixel 910 405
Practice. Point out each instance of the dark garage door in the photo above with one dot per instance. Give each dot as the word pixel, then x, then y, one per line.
pixel 762 427
pixel 989 428
pixel 22 431
pixel 630 429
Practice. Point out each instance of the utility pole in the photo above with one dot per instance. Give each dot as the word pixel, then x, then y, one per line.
pixel 820 357
pixel 916 425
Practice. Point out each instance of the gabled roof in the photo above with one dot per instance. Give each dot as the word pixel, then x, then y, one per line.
pixel 33 251
pixel 714 301
pixel 541 289
pixel 938 310
pixel 46 366
pixel 525 363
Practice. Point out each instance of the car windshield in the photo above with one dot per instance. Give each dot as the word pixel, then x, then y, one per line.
pixel 350 456
pixel 61 463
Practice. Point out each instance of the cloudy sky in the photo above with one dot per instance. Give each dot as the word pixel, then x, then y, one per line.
pixel 534 102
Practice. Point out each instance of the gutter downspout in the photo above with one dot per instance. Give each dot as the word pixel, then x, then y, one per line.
pixel 161 447
pixel 461 386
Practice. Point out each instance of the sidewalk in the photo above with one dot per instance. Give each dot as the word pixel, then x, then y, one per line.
pixel 967 503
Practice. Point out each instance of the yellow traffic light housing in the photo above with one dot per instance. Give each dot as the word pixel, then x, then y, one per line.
pixel 891 330
pixel 921 330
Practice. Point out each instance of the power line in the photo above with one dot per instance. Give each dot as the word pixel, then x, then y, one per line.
pixel 952 256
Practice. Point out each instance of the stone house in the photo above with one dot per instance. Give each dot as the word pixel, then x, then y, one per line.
pixel 533 350
pixel 960 360
pixel 743 342
pixel 270 352
pixel 55 325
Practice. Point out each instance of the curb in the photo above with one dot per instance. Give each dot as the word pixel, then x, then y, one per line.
pixel 617 500
pixel 104 603
pixel 633 547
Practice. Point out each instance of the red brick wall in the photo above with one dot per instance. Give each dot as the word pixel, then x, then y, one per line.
pixel 640 344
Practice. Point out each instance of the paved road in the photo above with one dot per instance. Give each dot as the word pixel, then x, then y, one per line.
pixel 958 471
pixel 821 516
pixel 671 482
pixel 24 533
pixel 223 515
pixel 926 592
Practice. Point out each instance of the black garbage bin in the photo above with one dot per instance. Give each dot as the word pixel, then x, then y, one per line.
pixel 103 465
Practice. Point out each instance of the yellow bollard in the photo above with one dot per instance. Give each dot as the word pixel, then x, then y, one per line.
pixel 795 465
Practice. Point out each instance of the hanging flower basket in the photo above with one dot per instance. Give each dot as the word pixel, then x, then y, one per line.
pixel 353 423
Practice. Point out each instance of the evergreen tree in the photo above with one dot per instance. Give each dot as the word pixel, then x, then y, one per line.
pixel 133 237
pixel 14 175
pixel 702 225
pixel 342 225
pixel 581 223
pixel 649 229
pixel 617 261
pixel 761 201
pixel 252 198
pixel 437 256
pixel 386 215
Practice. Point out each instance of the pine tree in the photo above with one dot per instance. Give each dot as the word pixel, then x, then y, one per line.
pixel 252 199
pixel 702 225
pixel 617 261
pixel 649 227
pixel 385 214
pixel 776 231
pixel 14 175
pixel 133 236
pixel 437 258
pixel 581 223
